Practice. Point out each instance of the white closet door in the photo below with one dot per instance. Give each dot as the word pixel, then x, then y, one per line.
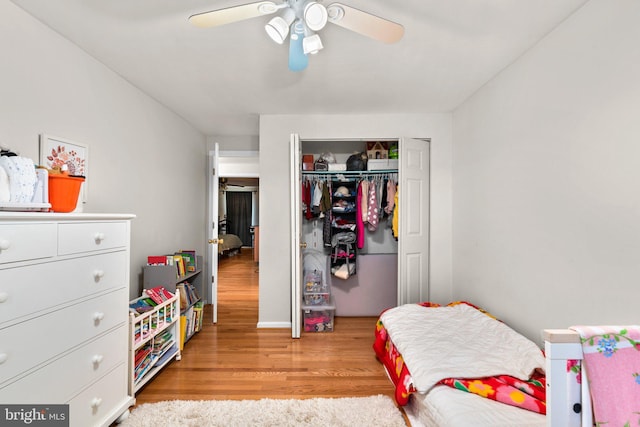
pixel 413 225
pixel 296 233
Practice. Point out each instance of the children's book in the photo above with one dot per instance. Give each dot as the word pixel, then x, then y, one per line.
pixel 156 260
pixel 190 258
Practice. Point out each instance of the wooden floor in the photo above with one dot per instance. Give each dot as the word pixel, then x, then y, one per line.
pixel 235 360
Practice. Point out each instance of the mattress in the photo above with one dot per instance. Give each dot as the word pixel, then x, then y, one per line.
pixel 446 406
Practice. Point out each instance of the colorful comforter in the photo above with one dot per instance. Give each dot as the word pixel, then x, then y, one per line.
pixel 459 345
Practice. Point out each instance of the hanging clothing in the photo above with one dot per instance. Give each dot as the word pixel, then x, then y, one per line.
pixel 328 215
pixel 391 199
pixel 317 198
pixel 363 205
pixel 372 207
pixel 396 214
pixel 383 199
pixel 325 202
pixel 359 222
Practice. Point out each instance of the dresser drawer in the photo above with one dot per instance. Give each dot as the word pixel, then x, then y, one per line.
pixel 91 236
pixel 88 363
pixel 37 340
pixel 24 291
pixel 96 404
pixel 22 242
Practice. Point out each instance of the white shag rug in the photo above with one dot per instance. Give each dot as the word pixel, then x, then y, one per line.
pixel 379 411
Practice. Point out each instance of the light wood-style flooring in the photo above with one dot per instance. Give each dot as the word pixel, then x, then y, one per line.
pixel 233 359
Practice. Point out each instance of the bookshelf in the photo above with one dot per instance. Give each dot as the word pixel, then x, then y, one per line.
pixel 154 339
pixel 190 286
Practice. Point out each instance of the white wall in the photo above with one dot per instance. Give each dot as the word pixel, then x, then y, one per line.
pixel 143 159
pixel 546 200
pixel 275 197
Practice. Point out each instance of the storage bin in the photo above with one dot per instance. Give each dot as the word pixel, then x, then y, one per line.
pixel 313 282
pixel 382 164
pixel 318 318
pixel 316 298
pixel 64 191
pixel 307 162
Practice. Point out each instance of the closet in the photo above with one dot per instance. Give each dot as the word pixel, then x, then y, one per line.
pixel 386 270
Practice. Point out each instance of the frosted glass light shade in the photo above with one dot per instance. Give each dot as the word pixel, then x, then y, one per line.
pixel 278 27
pixel 312 44
pixel 315 16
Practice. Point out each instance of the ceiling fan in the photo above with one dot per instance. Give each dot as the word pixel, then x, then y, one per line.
pixel 300 20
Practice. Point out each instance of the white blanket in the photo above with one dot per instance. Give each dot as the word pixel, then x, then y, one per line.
pixel 458 342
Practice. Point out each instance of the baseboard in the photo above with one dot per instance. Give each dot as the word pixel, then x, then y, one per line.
pixel 280 325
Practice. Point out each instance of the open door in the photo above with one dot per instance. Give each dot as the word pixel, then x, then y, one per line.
pixel 212 228
pixel 413 225
pixel 296 230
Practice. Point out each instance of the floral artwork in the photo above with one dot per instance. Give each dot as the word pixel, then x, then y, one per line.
pixel 60 156
pixel 58 152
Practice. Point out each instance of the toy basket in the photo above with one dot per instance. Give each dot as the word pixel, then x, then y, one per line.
pixel 64 191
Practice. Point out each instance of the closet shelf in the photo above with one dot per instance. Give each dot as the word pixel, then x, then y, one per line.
pixel 349 173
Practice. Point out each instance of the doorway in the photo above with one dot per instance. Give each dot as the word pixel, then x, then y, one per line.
pixel 230 171
pixel 237 264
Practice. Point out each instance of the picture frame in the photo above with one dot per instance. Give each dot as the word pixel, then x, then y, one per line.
pixel 56 151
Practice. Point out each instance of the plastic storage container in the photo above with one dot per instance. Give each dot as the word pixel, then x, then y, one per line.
pixel 64 191
pixel 318 318
pixel 315 291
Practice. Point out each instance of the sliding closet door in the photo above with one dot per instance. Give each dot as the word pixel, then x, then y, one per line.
pixel 296 233
pixel 413 225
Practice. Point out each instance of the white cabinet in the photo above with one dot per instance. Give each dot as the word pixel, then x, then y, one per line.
pixel 64 291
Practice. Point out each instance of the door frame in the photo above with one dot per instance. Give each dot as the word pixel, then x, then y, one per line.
pixel 244 167
pixel 414 273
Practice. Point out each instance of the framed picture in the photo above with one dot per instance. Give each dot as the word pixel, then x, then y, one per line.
pixel 56 152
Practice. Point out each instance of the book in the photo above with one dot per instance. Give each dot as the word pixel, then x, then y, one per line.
pixel 140 306
pixel 179 262
pixel 156 294
pixel 157 260
pixel 190 260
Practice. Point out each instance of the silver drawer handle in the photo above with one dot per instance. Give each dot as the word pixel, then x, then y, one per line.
pixel 3 297
pixel 3 358
pixel 96 402
pixel 98 316
pixel 4 244
pixel 99 237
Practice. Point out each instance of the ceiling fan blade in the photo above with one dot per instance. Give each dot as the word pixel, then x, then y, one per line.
pixel 298 61
pixel 233 14
pixel 365 23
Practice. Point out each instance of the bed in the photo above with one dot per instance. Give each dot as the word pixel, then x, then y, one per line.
pixel 228 244
pixel 456 365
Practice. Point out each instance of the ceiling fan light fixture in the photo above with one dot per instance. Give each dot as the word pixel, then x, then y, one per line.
pixel 315 15
pixel 278 27
pixel 312 44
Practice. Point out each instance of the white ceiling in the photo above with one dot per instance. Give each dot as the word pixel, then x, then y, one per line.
pixel 221 79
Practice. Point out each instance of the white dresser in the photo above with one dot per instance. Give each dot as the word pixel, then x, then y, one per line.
pixel 64 293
